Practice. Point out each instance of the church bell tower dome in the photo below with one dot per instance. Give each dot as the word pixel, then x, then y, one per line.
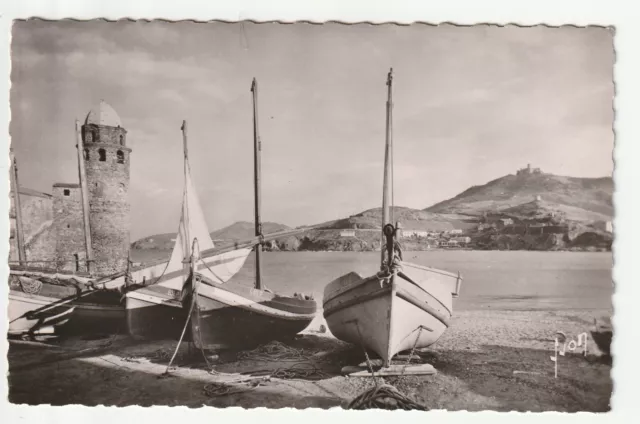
pixel 103 114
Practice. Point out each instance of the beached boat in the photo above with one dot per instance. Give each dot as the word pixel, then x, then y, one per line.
pixel 238 316
pixel 46 301
pixel 404 306
pixel 190 297
pixel 155 310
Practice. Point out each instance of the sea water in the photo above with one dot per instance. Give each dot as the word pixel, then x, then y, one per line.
pixel 518 280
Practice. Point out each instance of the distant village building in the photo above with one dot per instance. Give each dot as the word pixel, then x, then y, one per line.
pixel 347 233
pixel 456 231
pixel 504 222
pixel 538 198
pixel 449 243
pixel 461 240
pixel 604 226
pixel 410 233
pixel 528 170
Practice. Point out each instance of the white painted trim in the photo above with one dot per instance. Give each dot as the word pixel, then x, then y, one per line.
pixel 157 300
pixel 232 299
pixel 47 301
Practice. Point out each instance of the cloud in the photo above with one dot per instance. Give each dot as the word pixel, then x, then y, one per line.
pixel 470 104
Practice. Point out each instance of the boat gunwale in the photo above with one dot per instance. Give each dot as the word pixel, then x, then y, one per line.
pixel 261 308
pixel 355 284
pixel 434 270
pixel 400 293
pixel 356 300
pixel 49 301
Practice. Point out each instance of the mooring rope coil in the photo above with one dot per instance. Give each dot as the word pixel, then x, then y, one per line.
pixel 384 396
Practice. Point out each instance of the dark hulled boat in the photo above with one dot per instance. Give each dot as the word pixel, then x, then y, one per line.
pixel 193 297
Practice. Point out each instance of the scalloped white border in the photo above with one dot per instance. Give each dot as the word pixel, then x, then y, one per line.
pixel 617 13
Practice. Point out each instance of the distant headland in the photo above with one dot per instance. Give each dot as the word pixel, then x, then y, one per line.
pixel 528 210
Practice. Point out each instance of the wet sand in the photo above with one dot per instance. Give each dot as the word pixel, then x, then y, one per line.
pixel 497 360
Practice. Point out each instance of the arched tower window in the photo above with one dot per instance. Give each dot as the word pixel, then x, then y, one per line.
pixel 103 155
pixel 88 136
pixel 121 140
pixel 120 156
pixel 95 136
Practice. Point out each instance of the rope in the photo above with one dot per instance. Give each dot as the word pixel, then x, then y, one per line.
pixel 194 298
pixel 275 351
pixel 412 351
pixel 160 355
pixel 301 370
pixel 387 397
pixel 225 389
pixel 384 396
pixel 278 352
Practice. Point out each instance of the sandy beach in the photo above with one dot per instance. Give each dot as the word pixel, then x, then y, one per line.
pixel 498 360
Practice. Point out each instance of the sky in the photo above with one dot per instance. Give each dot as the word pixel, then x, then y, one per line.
pixel 471 104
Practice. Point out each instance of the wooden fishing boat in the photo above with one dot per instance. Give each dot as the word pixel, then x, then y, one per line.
pixel 155 310
pixel 211 312
pixel 228 315
pixel 404 306
pixel 48 301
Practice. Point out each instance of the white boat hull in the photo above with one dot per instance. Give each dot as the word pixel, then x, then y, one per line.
pixel 386 318
pixel 19 307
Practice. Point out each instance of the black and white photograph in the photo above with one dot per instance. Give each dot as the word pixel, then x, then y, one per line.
pixel 311 215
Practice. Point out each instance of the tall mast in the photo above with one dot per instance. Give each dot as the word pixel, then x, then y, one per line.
pixel 386 186
pixel 185 217
pixel 84 197
pixel 18 209
pixel 257 147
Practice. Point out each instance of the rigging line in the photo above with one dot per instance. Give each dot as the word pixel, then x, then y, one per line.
pixel 211 271
pixel 194 298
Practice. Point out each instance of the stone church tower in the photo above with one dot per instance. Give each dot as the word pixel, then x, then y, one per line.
pixel 107 171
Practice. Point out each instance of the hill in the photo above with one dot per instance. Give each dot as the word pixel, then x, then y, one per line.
pixel 243 230
pixel 237 231
pixel 547 212
pixel 580 199
pixel 414 219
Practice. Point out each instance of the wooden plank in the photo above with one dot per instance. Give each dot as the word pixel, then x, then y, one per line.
pixel 421 369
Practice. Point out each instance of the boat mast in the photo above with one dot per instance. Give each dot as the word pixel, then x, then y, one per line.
pixel 257 147
pixel 386 186
pixel 84 196
pixel 17 208
pixel 185 216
